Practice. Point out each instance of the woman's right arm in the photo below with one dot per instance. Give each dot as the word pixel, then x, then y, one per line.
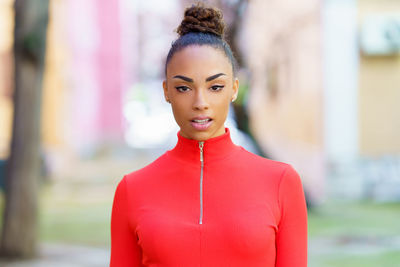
pixel 125 250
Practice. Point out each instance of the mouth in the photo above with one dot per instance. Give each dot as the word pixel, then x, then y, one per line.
pixel 202 120
pixel 201 124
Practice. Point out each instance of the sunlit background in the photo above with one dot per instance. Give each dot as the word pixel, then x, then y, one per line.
pixel 319 89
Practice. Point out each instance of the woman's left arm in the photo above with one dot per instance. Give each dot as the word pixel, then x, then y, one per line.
pixel 291 239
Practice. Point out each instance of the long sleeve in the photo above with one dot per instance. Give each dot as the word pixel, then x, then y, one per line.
pixel 291 240
pixel 124 248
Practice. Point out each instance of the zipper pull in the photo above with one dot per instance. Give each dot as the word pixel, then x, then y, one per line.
pixel 201 145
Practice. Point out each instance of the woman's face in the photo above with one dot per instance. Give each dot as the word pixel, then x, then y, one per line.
pixel 200 87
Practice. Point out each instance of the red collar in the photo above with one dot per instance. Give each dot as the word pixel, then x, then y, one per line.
pixel 215 148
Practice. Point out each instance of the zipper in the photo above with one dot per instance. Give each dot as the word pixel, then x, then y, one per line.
pixel 201 145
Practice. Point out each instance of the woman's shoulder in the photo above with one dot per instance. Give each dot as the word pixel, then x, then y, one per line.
pixel 273 171
pixel 149 170
pixel 263 162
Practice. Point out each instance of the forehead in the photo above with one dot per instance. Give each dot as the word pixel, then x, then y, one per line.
pixel 199 60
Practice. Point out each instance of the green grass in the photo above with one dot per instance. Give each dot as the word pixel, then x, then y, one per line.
pixel 348 227
pixel 71 220
pixel 75 221
pixel 362 218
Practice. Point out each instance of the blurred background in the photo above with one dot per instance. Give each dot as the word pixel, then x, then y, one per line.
pixel 81 105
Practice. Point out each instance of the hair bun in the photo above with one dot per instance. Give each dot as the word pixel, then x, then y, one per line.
pixel 199 18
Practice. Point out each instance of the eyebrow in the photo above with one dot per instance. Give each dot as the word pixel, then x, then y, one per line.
pixel 191 80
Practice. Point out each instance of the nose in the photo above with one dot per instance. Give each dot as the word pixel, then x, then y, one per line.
pixel 200 101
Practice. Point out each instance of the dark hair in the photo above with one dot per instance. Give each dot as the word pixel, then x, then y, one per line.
pixel 202 25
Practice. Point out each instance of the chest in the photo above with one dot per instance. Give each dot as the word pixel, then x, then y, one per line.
pixel 238 216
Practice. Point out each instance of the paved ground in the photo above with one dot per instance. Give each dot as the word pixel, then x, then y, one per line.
pixel 61 255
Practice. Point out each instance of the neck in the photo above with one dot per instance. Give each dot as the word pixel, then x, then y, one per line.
pixel 214 148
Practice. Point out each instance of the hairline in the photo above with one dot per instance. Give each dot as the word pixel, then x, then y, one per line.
pixel 218 48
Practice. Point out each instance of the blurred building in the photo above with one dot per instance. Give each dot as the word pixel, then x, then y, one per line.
pixel 319 100
pixel 102 60
pixel 324 83
pixel 282 47
pixel 83 85
pixel 82 88
pixel 378 24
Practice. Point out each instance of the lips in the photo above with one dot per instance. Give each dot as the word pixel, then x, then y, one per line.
pixel 201 123
pixel 201 118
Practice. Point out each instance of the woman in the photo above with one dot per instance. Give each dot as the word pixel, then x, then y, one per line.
pixel 207 202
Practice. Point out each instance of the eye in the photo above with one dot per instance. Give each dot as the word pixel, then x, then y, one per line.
pixel 182 88
pixel 216 87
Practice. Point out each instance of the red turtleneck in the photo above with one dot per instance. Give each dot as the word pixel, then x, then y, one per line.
pixel 233 209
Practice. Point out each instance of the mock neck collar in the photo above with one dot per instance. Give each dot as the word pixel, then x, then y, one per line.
pixel 215 148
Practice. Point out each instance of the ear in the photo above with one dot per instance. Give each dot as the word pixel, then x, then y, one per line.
pixel 165 88
pixel 235 89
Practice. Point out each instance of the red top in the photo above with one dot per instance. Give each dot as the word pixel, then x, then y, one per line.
pixel 233 209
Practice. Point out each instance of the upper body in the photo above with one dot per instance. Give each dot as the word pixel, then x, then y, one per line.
pixel 207 202
pixel 252 210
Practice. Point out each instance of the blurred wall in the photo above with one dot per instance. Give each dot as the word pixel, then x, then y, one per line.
pixel 83 80
pixel 379 90
pixel 319 100
pixel 6 77
pixel 282 49
pixel 54 82
pixel 98 54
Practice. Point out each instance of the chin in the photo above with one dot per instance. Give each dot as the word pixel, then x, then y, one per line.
pixel 200 136
pixel 196 135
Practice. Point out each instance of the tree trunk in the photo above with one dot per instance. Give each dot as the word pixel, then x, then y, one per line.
pixel 20 217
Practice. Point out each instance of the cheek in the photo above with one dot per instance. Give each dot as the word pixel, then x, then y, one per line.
pixel 222 106
pixel 179 109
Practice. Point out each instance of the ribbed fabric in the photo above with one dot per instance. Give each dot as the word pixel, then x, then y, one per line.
pixel 254 211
